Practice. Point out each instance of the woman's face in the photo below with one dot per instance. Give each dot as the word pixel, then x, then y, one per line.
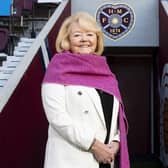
pixel 82 41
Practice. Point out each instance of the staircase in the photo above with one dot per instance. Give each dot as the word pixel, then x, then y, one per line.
pixel 10 63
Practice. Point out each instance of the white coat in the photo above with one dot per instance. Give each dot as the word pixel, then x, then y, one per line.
pixel 75 118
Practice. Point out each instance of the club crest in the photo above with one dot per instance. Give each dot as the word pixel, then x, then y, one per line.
pixel 115 20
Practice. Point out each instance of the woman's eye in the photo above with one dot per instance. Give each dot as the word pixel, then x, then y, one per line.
pixel 76 35
pixel 90 34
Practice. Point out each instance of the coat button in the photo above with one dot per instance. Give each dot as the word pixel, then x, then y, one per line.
pixel 86 111
pixel 79 93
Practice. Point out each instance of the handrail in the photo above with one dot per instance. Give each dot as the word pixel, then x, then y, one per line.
pixel 38 43
pixel 165 5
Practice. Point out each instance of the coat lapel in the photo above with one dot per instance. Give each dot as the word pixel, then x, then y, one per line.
pixel 94 96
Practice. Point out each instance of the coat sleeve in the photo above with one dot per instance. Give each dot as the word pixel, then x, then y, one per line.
pixel 53 99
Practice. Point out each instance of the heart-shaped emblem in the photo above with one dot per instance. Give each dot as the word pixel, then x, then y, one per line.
pixel 115 20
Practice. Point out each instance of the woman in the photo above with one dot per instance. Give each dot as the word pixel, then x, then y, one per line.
pixel 84 129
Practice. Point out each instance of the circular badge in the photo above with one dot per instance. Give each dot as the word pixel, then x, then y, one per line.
pixel 115 20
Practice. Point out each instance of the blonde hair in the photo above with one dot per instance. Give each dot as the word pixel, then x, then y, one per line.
pixel 87 22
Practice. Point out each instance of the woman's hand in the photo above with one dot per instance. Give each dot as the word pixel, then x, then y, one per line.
pixel 103 153
pixel 114 146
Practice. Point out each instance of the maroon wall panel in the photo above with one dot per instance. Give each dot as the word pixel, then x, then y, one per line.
pixel 52 35
pixel 133 75
pixel 23 126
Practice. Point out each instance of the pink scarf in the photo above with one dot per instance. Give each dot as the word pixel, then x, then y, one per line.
pixel 92 71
